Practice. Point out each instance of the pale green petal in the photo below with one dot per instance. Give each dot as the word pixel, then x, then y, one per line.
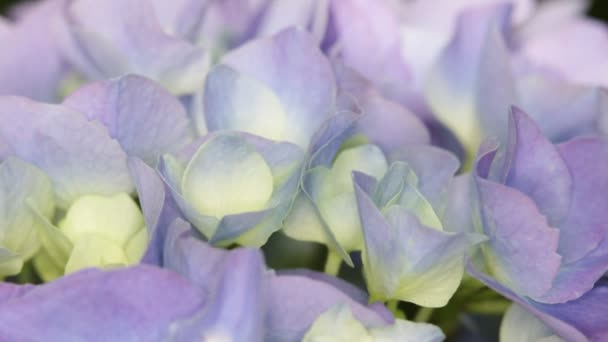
pixel 136 246
pixel 406 331
pixel 227 176
pixel 368 159
pixel 337 324
pixel 115 218
pixel 333 193
pixel 46 267
pixel 303 223
pixel 55 244
pixel 10 263
pixel 20 183
pixel 520 325
pixel 341 216
pixel 95 251
pixel 249 106
pixel 410 197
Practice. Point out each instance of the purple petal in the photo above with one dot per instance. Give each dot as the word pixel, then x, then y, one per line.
pixel 389 125
pixel 376 29
pixel 297 300
pixel 584 319
pixel 137 303
pixel 433 167
pixel 117 37
pixel 536 168
pixel 235 310
pixel 585 226
pixel 78 155
pixel 518 233
pixel 292 66
pixel 22 71
pixel 146 120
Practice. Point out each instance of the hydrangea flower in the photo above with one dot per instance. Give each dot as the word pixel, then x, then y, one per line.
pixel 113 38
pixel 338 323
pixel 538 201
pixel 81 175
pixel 234 187
pixel 487 67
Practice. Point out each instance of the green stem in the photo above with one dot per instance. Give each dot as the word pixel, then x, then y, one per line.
pixel 423 315
pixel 393 306
pixel 491 307
pixel 332 264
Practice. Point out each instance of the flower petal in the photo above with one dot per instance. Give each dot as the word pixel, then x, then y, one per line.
pixel 146 120
pixel 293 67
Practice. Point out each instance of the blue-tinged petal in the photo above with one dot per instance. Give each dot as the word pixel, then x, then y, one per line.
pixel 297 300
pixel 313 15
pixel 22 185
pixel 131 304
pixel 22 72
pixel 521 325
pixel 185 253
pixel 247 213
pixel 291 65
pixel 227 24
pixel 389 125
pixel 328 140
pixel 584 61
pixel 583 233
pixel 472 61
pixel 238 102
pixel 406 260
pixel 235 312
pixel 102 41
pixel 517 233
pixel 78 155
pixel 150 193
pixel 375 29
pixel 563 110
pixel 585 225
pixel 434 168
pixel 146 120
pixel 457 215
pixel 535 167
pixel 332 200
pixel 583 319
pixel 181 18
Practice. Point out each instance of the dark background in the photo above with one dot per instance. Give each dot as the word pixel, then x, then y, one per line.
pixel 599 9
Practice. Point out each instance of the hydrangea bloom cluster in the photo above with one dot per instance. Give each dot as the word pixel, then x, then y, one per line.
pixel 303 170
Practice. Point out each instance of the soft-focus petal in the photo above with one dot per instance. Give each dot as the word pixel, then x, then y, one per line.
pixel 22 71
pixel 118 37
pixel 472 58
